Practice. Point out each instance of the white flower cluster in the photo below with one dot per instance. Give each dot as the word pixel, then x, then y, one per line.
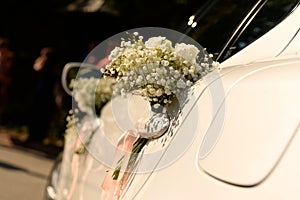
pixel 91 92
pixel 155 69
pixel 72 121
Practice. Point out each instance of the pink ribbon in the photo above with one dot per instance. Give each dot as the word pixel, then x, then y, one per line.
pixel 114 186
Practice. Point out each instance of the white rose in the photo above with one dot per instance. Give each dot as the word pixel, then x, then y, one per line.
pixel 158 42
pixel 187 51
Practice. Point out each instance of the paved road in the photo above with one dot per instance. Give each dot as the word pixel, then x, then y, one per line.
pixel 23 173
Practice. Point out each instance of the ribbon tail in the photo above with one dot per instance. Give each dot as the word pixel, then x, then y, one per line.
pixel 114 182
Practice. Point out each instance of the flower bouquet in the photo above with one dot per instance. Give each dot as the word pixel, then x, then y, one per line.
pixel 161 73
pixel 90 95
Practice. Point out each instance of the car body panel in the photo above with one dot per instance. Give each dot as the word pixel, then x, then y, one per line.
pixel 261 113
pixel 241 166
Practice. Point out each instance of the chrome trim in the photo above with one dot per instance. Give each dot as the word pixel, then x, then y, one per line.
pixel 289 42
pixel 66 70
pixel 242 26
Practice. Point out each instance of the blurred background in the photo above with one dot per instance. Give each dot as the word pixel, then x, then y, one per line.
pixel 37 38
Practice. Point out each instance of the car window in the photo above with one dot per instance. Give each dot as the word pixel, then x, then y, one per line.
pixel 216 24
pixel 213 24
pixel 272 13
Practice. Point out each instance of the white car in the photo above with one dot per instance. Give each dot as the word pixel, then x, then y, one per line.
pixel 239 137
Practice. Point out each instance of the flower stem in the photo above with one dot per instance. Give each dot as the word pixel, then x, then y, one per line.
pixel 136 149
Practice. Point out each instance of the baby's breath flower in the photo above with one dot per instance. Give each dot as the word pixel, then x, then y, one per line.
pixel 155 69
pixel 165 62
pixel 91 92
pixel 181 84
